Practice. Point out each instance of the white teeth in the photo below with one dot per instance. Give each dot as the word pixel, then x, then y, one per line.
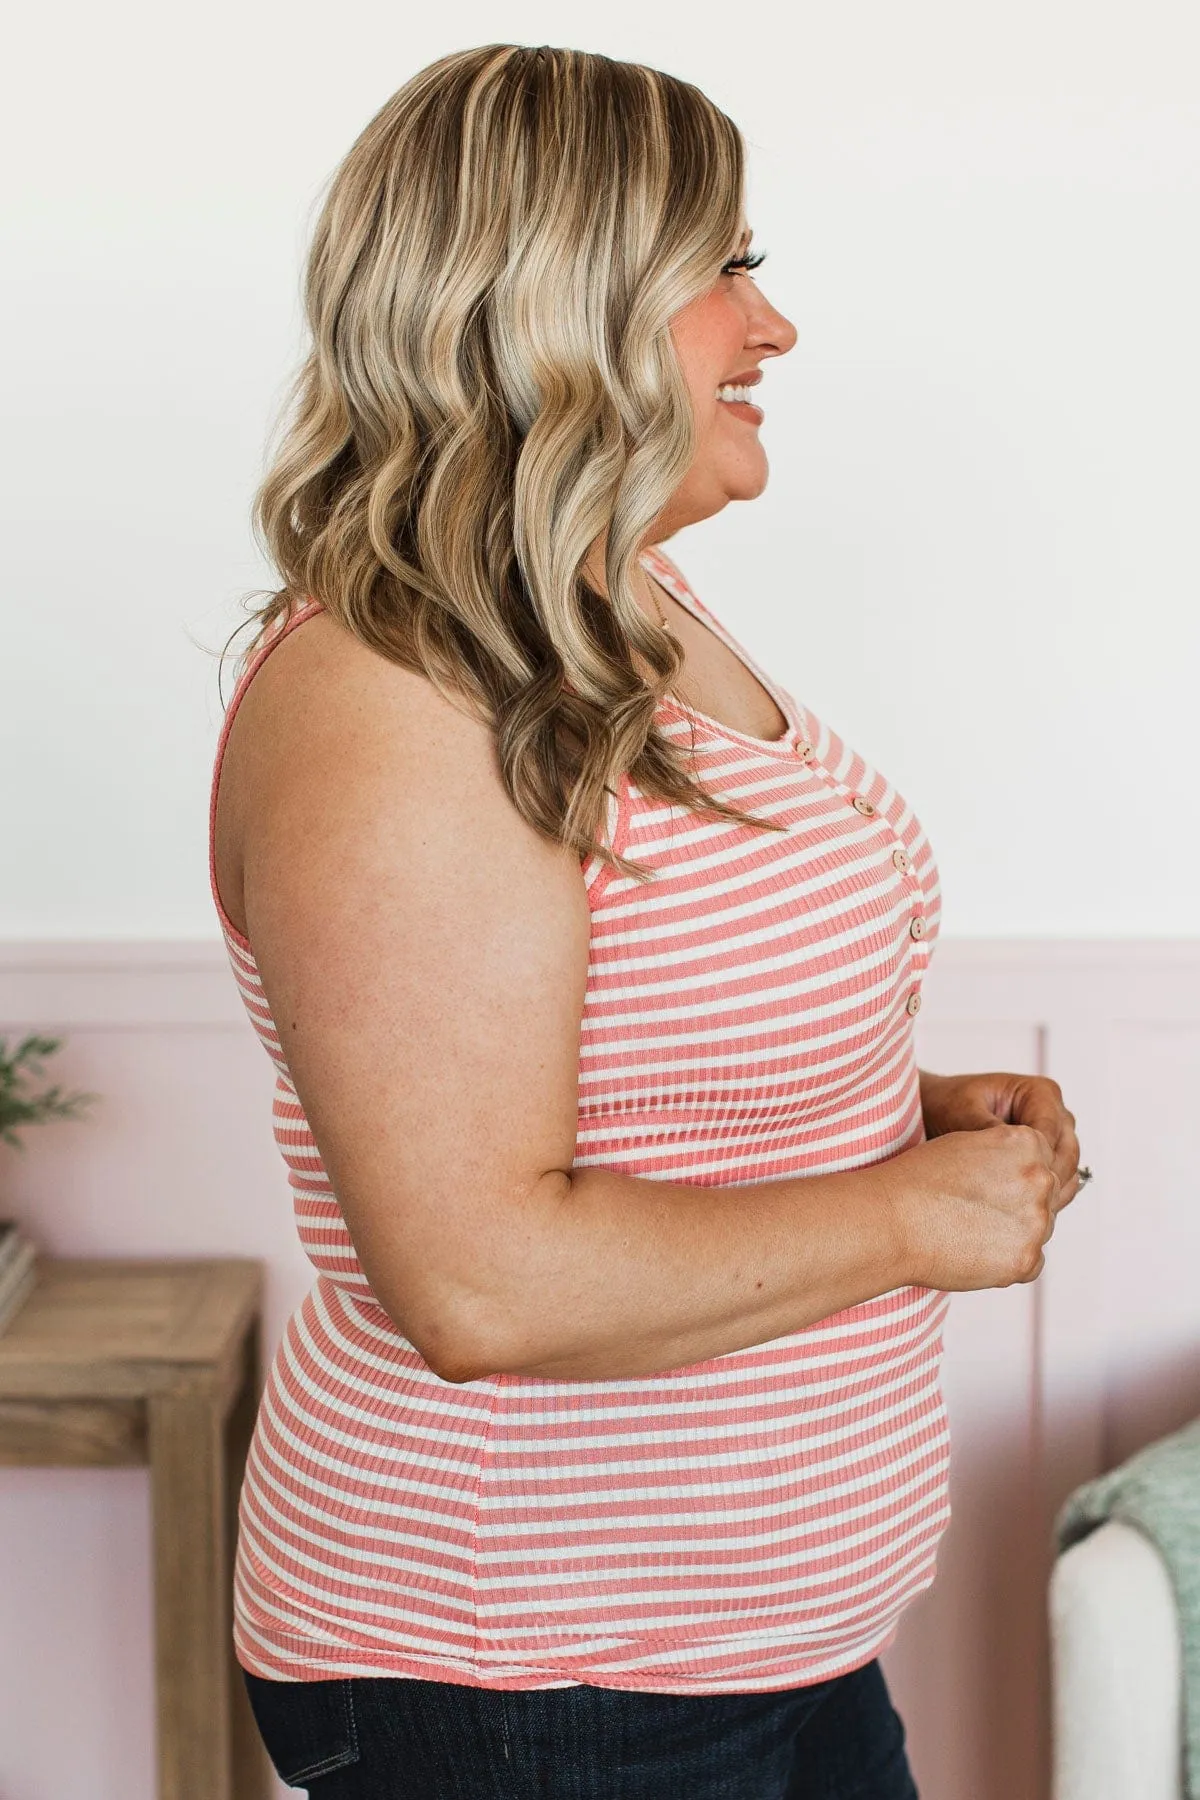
pixel 730 392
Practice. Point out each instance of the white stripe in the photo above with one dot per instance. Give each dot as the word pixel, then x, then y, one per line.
pixel 361 1449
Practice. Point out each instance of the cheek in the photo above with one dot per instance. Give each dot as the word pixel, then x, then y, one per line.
pixel 708 335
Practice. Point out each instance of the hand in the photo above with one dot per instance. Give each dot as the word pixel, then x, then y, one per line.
pixel 973 1208
pixel 973 1102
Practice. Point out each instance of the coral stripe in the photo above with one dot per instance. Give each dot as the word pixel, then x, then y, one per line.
pixel 752 1522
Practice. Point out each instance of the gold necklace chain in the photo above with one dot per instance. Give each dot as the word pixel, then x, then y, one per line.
pixel 662 618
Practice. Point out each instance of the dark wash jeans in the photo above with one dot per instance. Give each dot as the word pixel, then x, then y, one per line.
pixel 384 1738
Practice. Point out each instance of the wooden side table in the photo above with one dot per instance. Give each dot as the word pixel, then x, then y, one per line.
pixel 116 1362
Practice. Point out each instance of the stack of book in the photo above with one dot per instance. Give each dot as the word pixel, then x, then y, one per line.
pixel 18 1255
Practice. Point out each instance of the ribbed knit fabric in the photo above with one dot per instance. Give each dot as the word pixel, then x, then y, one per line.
pixel 755 1521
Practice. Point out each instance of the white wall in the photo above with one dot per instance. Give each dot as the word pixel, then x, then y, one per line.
pixel 977 556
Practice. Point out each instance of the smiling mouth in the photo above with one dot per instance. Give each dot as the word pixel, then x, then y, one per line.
pixel 737 398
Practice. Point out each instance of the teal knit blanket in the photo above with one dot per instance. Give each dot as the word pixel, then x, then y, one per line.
pixel 1158 1491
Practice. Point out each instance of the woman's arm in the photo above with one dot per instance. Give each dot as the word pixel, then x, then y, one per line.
pixel 424 954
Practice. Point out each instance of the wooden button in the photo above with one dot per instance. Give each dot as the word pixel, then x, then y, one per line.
pixel 917 928
pixel 900 858
pixel 913 1005
pixel 862 806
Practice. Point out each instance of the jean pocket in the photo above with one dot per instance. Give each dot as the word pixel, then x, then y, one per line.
pixel 308 1727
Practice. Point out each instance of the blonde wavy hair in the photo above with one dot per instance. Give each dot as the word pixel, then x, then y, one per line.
pixel 492 384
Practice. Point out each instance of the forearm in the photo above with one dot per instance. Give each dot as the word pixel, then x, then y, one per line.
pixel 626 1276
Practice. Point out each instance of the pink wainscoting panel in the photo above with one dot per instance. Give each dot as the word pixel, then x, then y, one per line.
pixel 959 1670
pixel 177 1159
pixel 1151 1298
pixel 1046 1383
pixel 1113 1333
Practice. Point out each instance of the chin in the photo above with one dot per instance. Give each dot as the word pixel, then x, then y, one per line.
pixel 747 484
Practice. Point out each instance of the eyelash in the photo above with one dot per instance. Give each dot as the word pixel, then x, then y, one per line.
pixel 749 260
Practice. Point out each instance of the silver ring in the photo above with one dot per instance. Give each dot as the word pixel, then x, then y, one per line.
pixel 1085 1175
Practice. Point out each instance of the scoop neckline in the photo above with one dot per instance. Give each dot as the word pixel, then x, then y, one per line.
pixel 678 589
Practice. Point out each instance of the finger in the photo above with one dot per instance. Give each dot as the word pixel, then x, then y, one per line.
pixel 1040 1107
pixel 1042 1145
pixel 1069 1189
pixel 1066 1145
pixel 1066 1153
pixel 972 1113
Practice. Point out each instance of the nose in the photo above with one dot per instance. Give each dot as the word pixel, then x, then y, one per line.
pixel 767 329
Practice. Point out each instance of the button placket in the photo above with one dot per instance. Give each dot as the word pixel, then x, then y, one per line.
pixel 917 927
pixel 901 861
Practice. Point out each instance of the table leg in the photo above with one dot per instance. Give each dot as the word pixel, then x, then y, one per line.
pixel 192 1604
pixel 253 1777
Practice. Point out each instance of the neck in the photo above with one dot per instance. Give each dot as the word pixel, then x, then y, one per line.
pixel 644 591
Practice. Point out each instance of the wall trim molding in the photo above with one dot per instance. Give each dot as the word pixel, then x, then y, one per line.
pixel 139 984
pixel 145 983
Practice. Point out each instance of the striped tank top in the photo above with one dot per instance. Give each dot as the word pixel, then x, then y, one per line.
pixel 755 1521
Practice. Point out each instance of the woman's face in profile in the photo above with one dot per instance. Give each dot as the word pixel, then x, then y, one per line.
pixel 721 338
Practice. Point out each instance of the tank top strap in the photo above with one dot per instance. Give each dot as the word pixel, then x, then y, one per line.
pixel 285 623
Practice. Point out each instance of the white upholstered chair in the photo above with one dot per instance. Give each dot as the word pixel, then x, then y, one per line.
pixel 1115 1653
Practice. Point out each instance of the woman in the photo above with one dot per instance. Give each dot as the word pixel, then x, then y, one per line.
pixel 608 1446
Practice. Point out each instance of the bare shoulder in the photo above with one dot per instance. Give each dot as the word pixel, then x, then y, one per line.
pixel 332 739
pixel 322 687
